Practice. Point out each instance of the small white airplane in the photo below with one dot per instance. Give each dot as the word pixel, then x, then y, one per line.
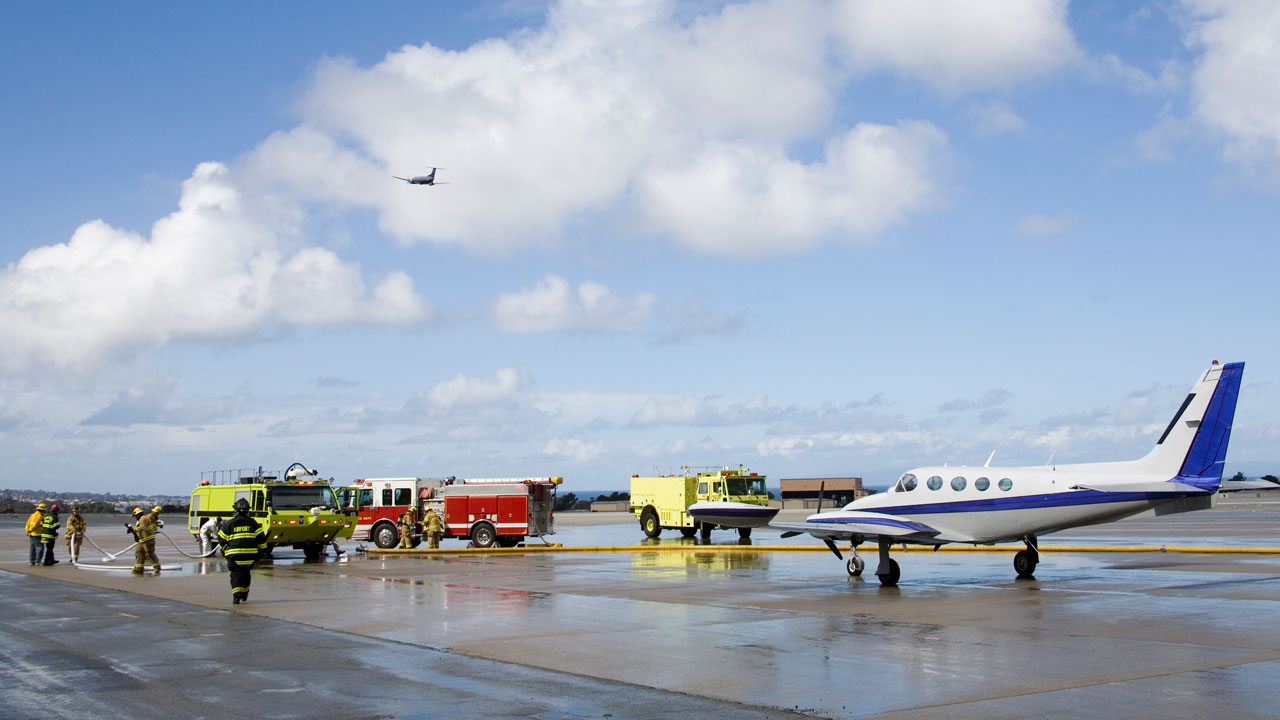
pixel 986 505
pixel 428 179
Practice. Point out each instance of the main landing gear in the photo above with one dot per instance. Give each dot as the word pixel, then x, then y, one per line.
pixel 887 572
pixel 1026 560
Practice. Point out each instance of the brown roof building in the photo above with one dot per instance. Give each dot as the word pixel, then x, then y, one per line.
pixel 835 490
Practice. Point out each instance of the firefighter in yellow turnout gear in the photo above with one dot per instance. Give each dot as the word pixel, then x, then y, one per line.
pixel 408 519
pixel 76 526
pixel 431 526
pixel 243 542
pixel 35 527
pixel 145 531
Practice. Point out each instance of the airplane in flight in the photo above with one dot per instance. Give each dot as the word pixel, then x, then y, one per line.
pixel 428 179
pixel 985 505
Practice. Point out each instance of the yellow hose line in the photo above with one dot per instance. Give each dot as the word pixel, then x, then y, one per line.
pixel 734 549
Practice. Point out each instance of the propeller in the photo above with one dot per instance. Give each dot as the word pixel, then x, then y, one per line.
pixel 832 544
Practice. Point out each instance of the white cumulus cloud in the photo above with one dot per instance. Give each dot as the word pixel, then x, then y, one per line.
pixel 958 47
pixel 553 306
pixel 1236 83
pixel 219 267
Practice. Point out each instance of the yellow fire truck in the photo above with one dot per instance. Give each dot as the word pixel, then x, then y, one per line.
pixel 660 501
pixel 300 510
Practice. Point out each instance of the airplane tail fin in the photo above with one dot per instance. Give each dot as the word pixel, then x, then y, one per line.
pixel 1194 445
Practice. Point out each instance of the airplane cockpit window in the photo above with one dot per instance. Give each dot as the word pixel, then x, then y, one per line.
pixel 907 483
pixel 934 482
pixel 957 483
pixel 1006 483
pixel 982 483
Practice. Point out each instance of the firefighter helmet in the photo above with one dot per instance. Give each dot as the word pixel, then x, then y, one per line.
pixel 155 509
pixel 137 512
pixel 241 505
pixel 53 508
pixel 42 506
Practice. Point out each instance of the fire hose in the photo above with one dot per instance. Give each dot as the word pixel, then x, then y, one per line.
pixel 111 556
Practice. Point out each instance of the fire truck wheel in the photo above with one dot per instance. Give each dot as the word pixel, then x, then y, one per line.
pixel 415 542
pixel 689 531
pixel 649 523
pixel 385 535
pixel 483 536
pixel 312 551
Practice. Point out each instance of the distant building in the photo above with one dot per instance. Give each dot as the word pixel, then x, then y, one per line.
pixel 836 491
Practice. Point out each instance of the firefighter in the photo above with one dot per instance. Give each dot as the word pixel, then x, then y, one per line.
pixel 243 542
pixel 407 521
pixel 76 526
pixel 209 535
pixel 49 533
pixel 145 530
pixel 431 526
pixel 35 524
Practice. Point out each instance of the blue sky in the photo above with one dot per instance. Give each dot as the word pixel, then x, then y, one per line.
pixel 815 238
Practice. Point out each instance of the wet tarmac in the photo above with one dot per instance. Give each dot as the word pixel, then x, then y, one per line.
pixel 661 634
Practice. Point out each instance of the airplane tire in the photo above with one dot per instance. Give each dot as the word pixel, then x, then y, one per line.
pixel 744 533
pixel 689 531
pixel 705 530
pixel 1025 563
pixel 649 523
pixel 891 579
pixel 855 566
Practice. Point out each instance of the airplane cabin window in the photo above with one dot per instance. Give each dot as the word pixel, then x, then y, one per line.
pixel 935 482
pixel 909 482
pixel 982 483
pixel 1006 483
pixel 957 483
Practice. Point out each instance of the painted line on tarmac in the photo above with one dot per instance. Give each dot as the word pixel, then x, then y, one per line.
pixel 734 549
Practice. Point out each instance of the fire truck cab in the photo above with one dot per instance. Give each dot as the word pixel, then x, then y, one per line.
pixel 486 511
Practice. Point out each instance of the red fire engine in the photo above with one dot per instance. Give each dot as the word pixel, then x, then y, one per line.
pixel 486 511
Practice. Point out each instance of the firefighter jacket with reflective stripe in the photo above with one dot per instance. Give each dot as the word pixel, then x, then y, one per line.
pixel 76 525
pixel 243 539
pixel 35 523
pixel 49 527
pixel 146 528
pixel 431 522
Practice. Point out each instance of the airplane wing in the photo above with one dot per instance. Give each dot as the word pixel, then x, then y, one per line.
pixel 1168 487
pixel 845 524
pixel 400 178
pixel 842 524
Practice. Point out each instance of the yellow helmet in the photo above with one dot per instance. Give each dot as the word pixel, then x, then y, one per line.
pixel 155 509
pixel 42 506
pixel 137 512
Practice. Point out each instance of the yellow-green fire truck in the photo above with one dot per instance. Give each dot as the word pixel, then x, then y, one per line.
pixel 660 501
pixel 300 511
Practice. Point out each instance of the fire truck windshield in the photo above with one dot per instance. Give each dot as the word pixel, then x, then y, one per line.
pixel 302 497
pixel 745 485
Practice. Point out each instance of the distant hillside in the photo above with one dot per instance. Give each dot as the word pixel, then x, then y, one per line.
pixel 25 501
